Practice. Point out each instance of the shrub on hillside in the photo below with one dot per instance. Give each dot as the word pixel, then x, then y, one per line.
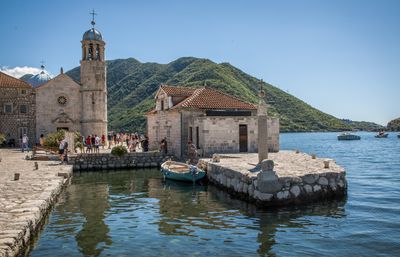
pixel 119 150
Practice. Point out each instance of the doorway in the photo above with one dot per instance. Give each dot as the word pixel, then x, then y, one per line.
pixel 242 138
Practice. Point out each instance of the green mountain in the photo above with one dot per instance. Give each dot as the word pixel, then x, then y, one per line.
pixel 132 86
pixel 363 125
pixel 394 125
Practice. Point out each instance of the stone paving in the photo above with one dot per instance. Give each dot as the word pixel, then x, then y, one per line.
pixel 24 203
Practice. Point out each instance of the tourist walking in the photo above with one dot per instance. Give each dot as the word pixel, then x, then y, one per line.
pixel 145 144
pixel 88 144
pixel 97 141
pixel 103 140
pixel 25 141
pixel 41 140
pixel 62 148
pixel 192 153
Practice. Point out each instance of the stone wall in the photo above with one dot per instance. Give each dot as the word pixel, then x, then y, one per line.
pixel 221 134
pixel 14 124
pixel 280 190
pixel 105 161
pixel 52 114
pixel 165 124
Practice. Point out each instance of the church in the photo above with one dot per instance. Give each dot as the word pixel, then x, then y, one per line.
pixel 62 103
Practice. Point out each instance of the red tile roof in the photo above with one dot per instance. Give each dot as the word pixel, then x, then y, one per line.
pixel 177 91
pixel 208 98
pixel 8 81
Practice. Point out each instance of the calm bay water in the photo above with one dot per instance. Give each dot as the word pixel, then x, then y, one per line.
pixel 134 213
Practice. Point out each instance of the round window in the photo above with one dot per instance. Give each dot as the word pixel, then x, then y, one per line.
pixel 62 100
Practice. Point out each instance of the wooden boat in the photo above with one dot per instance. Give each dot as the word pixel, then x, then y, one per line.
pixel 348 136
pixel 382 135
pixel 181 171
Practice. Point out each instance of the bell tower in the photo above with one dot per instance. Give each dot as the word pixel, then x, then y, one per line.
pixel 93 83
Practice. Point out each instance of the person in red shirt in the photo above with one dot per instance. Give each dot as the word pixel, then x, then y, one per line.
pixel 103 140
pixel 88 144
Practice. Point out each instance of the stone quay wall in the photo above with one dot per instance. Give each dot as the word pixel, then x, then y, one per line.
pixel 274 189
pixel 27 194
pixel 106 161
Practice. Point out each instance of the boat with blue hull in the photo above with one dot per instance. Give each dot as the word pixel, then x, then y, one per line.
pixel 348 136
pixel 181 171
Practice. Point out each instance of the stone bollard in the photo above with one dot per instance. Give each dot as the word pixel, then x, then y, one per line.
pixel 297 151
pixel 313 156
pixel 36 166
pixel 326 164
pixel 216 158
pixel 63 174
pixel 16 176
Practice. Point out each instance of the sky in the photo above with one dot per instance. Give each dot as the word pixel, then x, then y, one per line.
pixel 341 57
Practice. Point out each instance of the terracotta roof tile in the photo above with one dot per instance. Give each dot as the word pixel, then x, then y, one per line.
pixel 177 91
pixel 8 81
pixel 207 98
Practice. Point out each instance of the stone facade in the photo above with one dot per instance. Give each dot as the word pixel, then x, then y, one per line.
pixel 17 109
pixel 62 103
pixel 213 129
pixel 58 105
pixel 107 161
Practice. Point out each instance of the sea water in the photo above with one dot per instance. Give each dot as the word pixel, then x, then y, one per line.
pixel 136 213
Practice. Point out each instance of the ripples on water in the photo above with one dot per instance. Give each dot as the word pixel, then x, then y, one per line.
pixel 133 213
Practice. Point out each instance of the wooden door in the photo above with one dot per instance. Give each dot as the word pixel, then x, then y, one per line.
pixel 242 138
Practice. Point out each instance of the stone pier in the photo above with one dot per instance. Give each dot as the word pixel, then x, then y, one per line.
pixel 294 177
pixel 25 203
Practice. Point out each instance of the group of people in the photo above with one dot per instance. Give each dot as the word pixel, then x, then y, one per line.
pixel 133 141
pixel 93 143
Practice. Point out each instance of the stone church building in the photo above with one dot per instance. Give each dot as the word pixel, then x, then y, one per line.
pixel 63 103
pixel 215 122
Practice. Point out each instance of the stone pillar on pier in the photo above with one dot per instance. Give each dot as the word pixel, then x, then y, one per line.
pixel 262 126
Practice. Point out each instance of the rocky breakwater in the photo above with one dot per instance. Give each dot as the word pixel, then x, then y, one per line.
pixel 28 190
pixel 287 177
pixel 107 161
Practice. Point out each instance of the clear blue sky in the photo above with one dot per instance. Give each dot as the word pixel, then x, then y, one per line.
pixel 342 57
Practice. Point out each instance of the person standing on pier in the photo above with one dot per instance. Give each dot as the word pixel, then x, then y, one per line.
pixel 192 153
pixel 25 141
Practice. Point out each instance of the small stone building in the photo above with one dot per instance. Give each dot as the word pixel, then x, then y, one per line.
pixel 215 122
pixel 17 109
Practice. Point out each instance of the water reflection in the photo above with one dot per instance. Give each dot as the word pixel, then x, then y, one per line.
pixel 136 213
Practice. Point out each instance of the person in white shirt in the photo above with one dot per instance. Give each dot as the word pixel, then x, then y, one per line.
pixel 97 142
pixel 25 141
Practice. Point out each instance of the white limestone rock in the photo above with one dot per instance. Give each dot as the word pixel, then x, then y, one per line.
pixel 308 189
pixel 282 195
pixel 317 188
pixel 323 181
pixel 295 190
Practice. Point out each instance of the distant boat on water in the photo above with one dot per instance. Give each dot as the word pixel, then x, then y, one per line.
pixel 348 136
pixel 382 135
pixel 398 135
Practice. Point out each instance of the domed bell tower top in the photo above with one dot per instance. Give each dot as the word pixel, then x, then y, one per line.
pixel 93 83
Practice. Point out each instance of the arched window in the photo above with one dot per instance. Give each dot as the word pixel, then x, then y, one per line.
pixel 90 55
pixel 97 52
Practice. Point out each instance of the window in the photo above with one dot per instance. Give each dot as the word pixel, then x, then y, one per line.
pixel 8 108
pixel 23 91
pixel 191 134
pixel 162 104
pixel 197 138
pixel 23 108
pixel 62 100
